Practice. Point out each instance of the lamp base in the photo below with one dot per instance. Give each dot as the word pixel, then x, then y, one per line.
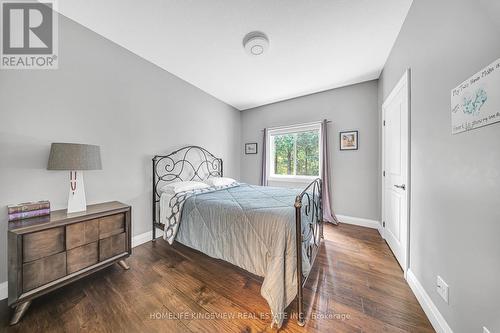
pixel 76 200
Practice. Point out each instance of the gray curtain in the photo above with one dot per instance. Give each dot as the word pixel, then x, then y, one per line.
pixel 328 214
pixel 263 178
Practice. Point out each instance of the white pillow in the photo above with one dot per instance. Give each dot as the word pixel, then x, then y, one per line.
pixel 177 187
pixel 219 181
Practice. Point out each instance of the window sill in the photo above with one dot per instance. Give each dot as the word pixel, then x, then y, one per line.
pixel 286 179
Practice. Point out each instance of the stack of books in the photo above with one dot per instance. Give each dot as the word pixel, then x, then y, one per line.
pixel 28 209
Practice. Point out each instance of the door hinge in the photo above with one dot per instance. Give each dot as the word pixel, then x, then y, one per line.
pixel 383 173
pixel 384 122
pixel 383 224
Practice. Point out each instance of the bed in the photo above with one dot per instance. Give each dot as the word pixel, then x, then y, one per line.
pixel 271 232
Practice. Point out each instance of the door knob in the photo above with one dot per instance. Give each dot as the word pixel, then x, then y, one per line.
pixel 403 186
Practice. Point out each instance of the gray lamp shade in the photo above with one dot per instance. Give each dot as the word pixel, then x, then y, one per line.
pixel 74 156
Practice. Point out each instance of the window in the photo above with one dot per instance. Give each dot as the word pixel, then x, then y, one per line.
pixel 294 152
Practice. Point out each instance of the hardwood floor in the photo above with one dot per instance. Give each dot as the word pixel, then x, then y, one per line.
pixel 355 286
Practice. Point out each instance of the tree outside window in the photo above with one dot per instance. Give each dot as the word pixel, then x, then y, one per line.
pixel 296 154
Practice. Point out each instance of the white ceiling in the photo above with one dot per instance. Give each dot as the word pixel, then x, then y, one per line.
pixel 315 45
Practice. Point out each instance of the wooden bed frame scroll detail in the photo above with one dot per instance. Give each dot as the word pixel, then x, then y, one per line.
pixel 181 166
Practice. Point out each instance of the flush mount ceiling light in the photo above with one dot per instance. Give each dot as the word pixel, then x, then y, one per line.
pixel 255 43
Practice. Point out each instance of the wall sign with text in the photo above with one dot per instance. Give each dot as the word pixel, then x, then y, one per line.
pixel 476 101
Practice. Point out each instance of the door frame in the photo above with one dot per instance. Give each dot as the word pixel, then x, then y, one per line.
pixel 405 79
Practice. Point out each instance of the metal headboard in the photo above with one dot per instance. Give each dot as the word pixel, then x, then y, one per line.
pixel 184 164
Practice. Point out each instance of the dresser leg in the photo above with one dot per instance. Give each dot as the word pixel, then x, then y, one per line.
pixel 19 312
pixel 123 264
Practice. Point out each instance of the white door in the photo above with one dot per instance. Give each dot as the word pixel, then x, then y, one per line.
pixel 395 166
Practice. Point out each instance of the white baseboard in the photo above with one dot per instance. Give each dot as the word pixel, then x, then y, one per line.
pixel 141 238
pixel 4 290
pixel 145 237
pixel 136 241
pixel 359 221
pixel 380 229
pixel 435 317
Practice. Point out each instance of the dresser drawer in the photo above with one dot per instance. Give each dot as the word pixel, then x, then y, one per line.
pixel 82 233
pixel 81 257
pixel 111 225
pixel 43 244
pixel 42 271
pixel 111 246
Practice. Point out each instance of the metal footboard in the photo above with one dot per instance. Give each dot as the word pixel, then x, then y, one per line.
pixel 309 209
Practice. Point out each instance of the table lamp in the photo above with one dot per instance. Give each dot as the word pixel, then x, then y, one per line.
pixel 75 158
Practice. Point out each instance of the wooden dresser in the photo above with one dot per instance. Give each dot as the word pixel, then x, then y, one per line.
pixel 49 252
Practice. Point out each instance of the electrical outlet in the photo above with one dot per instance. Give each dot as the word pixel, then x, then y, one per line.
pixel 442 288
pixel 485 330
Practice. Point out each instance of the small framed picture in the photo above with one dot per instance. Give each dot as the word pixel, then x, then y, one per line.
pixel 251 148
pixel 349 140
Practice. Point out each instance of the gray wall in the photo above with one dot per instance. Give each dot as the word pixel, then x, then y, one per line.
pixel 455 210
pixel 355 173
pixel 102 94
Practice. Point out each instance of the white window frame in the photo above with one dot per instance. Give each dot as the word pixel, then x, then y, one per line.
pixel 291 130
